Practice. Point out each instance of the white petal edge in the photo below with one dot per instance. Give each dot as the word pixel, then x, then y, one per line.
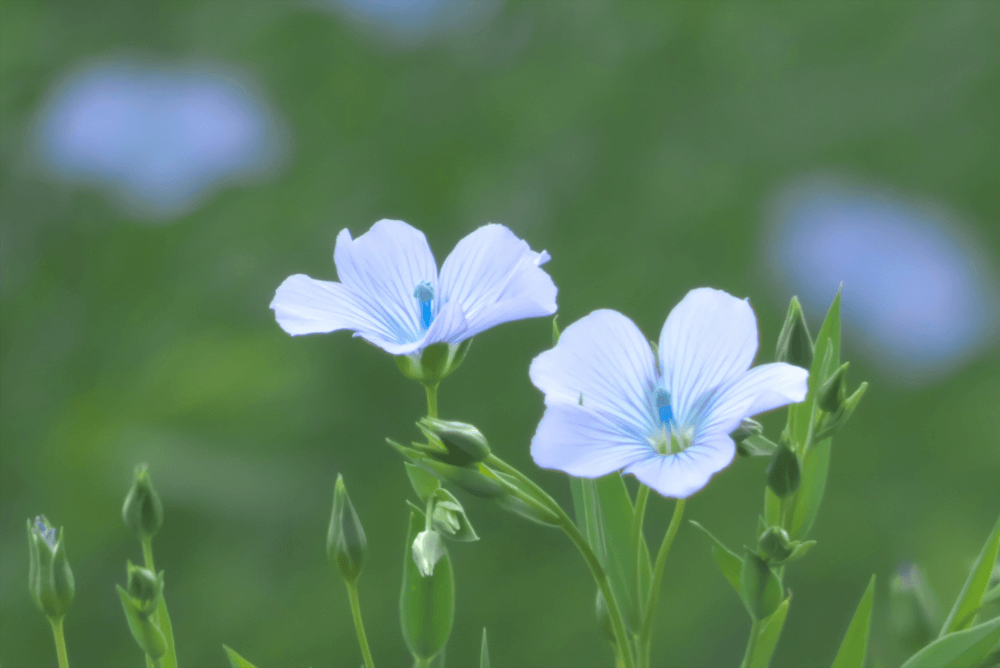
pixel 304 305
pixel 708 339
pixel 760 389
pixel 497 278
pixel 681 475
pixel 606 359
pixel 582 442
pixel 383 267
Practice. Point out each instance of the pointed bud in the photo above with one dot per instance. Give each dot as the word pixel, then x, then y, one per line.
pixel 750 440
pixel 145 587
pixel 428 548
pixel 50 580
pixel 760 588
pixel 465 444
pixel 795 346
pixel 448 517
pixel 143 511
pixel 774 543
pixel 434 363
pixel 346 544
pixel 833 392
pixel 784 473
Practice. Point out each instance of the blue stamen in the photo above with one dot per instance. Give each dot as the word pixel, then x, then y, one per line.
pixel 424 293
pixel 663 405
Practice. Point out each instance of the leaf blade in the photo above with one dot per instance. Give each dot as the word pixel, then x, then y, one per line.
pixel 426 604
pixel 235 660
pixel 768 636
pixel 970 598
pixel 958 649
pixel 729 563
pixel 854 646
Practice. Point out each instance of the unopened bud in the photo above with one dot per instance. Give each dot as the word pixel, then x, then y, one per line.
pixel 145 587
pixel 774 543
pixel 143 511
pixel 428 548
pixel 466 444
pixel 784 472
pixel 50 579
pixel 346 544
pixel 448 517
pixel 795 346
pixel 833 392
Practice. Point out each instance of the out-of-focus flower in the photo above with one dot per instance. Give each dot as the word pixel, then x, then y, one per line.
pixel 390 292
pixel 919 295
pixel 611 405
pixel 409 22
pixel 160 138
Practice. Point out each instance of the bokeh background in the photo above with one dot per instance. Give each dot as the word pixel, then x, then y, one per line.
pixel 166 165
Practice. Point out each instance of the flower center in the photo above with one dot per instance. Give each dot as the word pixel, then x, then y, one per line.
pixel 670 438
pixel 424 294
pixel 662 398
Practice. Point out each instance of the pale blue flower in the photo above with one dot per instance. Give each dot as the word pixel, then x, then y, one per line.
pixel 610 404
pixel 391 293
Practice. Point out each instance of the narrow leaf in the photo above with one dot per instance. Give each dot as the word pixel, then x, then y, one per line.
pixel 423 482
pixel 959 649
pixel 484 651
pixel 730 564
pixel 810 494
pixel 963 613
pixel 235 660
pixel 768 636
pixel 827 338
pixel 426 604
pixel 854 647
pixel 622 556
pixel 163 620
pixel 772 508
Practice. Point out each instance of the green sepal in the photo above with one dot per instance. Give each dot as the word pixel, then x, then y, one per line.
pixel 775 545
pixel 448 517
pixel 50 579
pixel 235 660
pixel 426 604
pixel 484 650
pixel 768 636
pixel 434 363
pixel 147 635
pixel 756 445
pixel 833 392
pixel 346 543
pixel 760 588
pixel 784 473
pixel 144 587
pixel 963 613
pixel 477 479
pixel 799 550
pixel 463 443
pixel 795 346
pixel 854 646
pixel 958 649
pixel 810 495
pixel 555 330
pixel 729 563
pixel 423 482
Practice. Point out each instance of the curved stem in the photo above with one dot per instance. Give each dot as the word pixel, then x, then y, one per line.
pixel 57 632
pixel 359 625
pixel 751 644
pixel 645 635
pixel 570 529
pixel 432 400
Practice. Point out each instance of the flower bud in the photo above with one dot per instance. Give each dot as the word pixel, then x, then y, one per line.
pixel 346 543
pixel 795 346
pixel 448 516
pixel 434 363
pixel 428 548
pixel 774 543
pixel 143 511
pixel 833 392
pixel 750 440
pixel 147 634
pixel 50 580
pixel 145 587
pixel 784 473
pixel 465 444
pixel 760 587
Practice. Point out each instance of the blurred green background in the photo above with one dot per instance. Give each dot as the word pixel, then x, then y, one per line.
pixel 639 143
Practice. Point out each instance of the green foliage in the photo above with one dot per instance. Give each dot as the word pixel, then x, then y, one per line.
pixel 484 650
pixel 235 660
pixel 959 649
pixel 767 636
pixel 729 563
pixel 963 613
pixel 426 604
pixel 854 646
pixel 760 586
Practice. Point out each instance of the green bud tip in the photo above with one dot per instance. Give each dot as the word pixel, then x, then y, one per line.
pixel 465 444
pixel 795 345
pixel 50 579
pixel 145 587
pixel 346 544
pixel 142 511
pixel 833 391
pixel 774 543
pixel 784 473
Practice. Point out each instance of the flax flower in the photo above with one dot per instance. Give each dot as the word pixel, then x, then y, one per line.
pixel 612 404
pixel 391 293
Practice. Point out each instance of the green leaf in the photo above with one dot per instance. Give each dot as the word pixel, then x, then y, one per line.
pixel 426 604
pixel 622 556
pixel 484 651
pixel 854 647
pixel 810 494
pixel 963 613
pixel 768 636
pixel 424 483
pixel 163 620
pixel 772 508
pixel 959 649
pixel 729 563
pixel 149 638
pixel 828 338
pixel 235 660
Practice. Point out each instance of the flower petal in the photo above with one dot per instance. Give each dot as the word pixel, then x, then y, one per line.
pixel 449 326
pixel 604 358
pixel 684 473
pixel 760 389
pixel 496 277
pixel 303 305
pixel 709 338
pixel 583 442
pixel 383 267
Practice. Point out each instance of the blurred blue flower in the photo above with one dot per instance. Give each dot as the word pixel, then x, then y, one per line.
pixel 48 533
pixel 409 22
pixel 610 404
pixel 921 297
pixel 390 292
pixel 159 138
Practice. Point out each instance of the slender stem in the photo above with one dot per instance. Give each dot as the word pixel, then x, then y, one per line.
pixel 57 632
pixel 423 663
pixel 569 527
pixel 147 553
pixel 751 644
pixel 359 625
pixel 645 635
pixel 432 400
pixel 638 520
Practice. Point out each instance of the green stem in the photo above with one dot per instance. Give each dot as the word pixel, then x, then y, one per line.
pixel 57 631
pixel 645 635
pixel 569 527
pixel 423 663
pixel 432 400
pixel 147 553
pixel 359 625
pixel 751 644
